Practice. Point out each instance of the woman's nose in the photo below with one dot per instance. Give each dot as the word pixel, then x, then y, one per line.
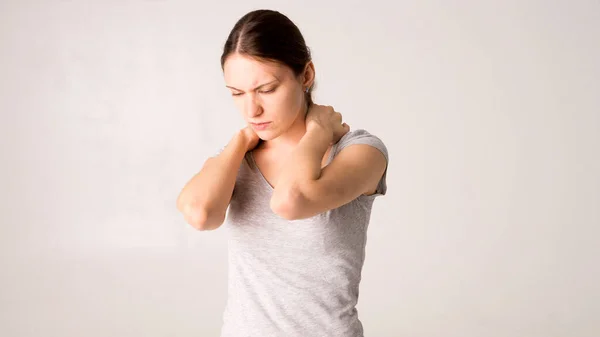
pixel 252 107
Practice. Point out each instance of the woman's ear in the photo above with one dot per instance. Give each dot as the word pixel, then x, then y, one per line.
pixel 308 75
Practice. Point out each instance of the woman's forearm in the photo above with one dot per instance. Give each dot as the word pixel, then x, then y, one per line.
pixel 205 198
pixel 302 166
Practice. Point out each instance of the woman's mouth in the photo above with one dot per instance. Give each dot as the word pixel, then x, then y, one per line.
pixel 260 126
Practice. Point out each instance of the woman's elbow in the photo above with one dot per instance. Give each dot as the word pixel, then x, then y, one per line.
pixel 201 219
pixel 287 206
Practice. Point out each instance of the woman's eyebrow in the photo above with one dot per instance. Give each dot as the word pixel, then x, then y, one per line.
pixel 260 86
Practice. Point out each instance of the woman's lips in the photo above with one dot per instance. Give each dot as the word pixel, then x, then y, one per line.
pixel 260 126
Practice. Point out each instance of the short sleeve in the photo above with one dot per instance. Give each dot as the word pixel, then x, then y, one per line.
pixel 361 136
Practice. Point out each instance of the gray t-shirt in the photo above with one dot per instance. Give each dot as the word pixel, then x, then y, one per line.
pixel 296 278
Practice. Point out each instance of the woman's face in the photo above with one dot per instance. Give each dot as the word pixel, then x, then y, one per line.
pixel 268 94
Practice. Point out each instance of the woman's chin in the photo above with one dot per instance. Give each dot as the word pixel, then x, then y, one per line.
pixel 266 134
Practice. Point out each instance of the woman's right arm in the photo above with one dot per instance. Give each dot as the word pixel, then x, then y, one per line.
pixel 204 199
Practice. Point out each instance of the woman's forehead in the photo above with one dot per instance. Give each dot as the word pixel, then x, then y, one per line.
pixel 245 71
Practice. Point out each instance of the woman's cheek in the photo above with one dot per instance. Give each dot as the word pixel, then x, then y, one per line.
pixel 239 104
pixel 292 101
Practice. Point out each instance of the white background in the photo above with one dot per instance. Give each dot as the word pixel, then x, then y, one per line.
pixel 490 111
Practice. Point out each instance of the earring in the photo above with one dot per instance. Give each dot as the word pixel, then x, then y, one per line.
pixel 306 90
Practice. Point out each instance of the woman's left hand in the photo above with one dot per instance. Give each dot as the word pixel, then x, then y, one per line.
pixel 330 120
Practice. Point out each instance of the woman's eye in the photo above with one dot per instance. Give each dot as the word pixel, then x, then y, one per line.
pixel 267 91
pixel 262 92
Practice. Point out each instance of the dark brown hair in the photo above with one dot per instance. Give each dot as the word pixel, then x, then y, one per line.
pixel 269 35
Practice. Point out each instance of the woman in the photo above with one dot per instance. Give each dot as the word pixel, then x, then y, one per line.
pixel 299 187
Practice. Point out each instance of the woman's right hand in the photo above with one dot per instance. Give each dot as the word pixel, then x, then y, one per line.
pixel 250 137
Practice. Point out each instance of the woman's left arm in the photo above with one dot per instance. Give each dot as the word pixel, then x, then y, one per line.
pixel 303 189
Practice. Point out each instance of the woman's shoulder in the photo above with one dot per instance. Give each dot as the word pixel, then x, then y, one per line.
pixel 361 136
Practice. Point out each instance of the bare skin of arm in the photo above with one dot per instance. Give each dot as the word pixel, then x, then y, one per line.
pixel 203 201
pixel 304 189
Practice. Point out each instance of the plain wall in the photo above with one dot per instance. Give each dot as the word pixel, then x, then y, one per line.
pixel 490 111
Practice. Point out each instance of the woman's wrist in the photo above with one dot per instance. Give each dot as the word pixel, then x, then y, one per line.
pixel 320 131
pixel 240 140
